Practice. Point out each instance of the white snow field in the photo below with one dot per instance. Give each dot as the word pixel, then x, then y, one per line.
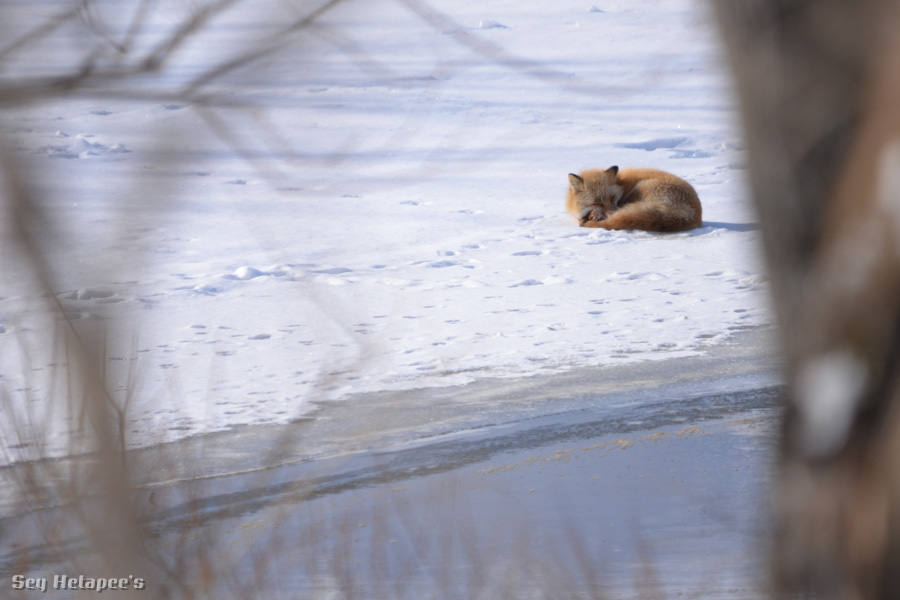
pixel 377 205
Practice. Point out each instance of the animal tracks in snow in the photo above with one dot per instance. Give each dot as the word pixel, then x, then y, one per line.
pixel 655 144
pixel 97 294
pixel 675 144
pixel 628 276
pixel 80 147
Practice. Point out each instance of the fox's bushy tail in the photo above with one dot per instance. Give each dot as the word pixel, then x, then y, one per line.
pixel 653 218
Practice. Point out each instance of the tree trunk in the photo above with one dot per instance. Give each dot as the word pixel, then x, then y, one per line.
pixel 819 86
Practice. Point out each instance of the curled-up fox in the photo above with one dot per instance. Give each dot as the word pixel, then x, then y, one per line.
pixel 646 199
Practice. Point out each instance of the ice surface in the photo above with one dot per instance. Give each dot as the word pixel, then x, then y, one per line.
pixel 384 213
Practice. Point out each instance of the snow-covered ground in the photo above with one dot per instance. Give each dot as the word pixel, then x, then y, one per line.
pixel 378 205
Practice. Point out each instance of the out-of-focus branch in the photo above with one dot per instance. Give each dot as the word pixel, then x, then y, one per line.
pixel 445 24
pixel 39 33
pixel 91 76
pixel 164 51
pixel 270 46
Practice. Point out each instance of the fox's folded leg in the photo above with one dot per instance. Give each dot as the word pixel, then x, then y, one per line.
pixel 593 217
pixel 598 214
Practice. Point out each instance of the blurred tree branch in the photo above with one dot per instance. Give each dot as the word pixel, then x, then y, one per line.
pixel 96 73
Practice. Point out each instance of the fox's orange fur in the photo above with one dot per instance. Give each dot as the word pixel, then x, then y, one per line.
pixel 646 199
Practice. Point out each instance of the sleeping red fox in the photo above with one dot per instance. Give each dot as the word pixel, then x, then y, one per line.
pixel 646 199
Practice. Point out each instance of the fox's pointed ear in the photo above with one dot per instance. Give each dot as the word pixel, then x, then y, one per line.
pixel 613 170
pixel 576 182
